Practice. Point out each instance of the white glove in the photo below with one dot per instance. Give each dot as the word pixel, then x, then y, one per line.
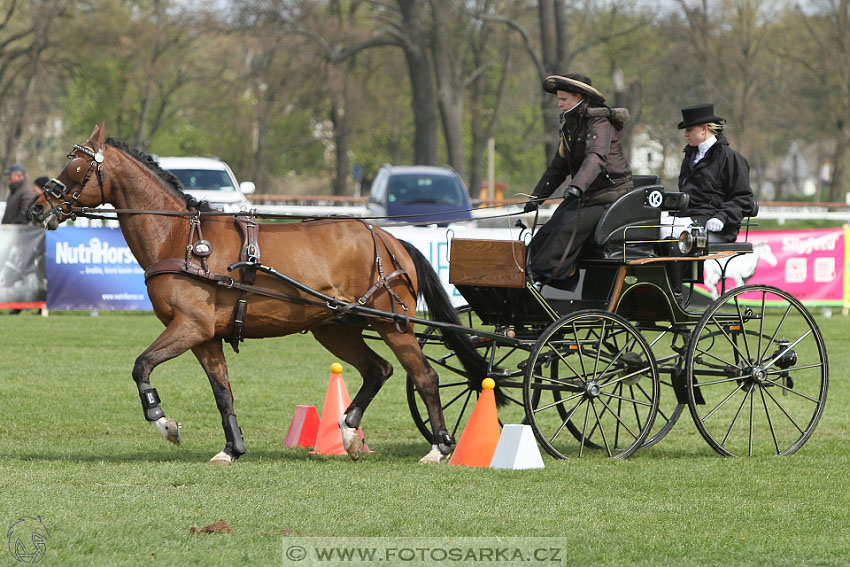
pixel 714 225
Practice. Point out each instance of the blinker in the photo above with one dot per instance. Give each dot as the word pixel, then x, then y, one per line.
pixel 77 169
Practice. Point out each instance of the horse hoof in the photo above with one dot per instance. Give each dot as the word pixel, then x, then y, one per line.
pixel 222 458
pixel 434 457
pixel 352 442
pixel 169 429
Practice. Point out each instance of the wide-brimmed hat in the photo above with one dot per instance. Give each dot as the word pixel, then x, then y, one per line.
pixel 699 114
pixel 15 168
pixel 572 83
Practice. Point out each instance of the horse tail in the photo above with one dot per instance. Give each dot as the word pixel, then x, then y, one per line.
pixel 440 308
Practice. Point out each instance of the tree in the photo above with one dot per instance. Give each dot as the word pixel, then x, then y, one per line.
pixel 21 53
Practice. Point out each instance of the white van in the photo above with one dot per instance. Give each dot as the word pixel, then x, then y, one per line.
pixel 211 180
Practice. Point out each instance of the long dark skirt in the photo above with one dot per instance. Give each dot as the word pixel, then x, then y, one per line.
pixel 550 242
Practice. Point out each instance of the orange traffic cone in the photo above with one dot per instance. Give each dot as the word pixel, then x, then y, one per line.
pixel 303 428
pixel 478 441
pixel 337 400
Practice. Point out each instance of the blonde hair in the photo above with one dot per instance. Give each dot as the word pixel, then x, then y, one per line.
pixel 715 128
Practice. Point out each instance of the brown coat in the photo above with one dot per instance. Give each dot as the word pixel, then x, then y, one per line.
pixel 591 154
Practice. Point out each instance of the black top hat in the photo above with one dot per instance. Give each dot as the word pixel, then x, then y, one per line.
pixel 699 114
pixel 572 83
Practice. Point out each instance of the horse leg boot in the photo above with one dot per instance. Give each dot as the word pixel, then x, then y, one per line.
pixel 235 445
pixel 169 428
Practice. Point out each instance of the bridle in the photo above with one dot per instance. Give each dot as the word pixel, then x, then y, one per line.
pixel 54 190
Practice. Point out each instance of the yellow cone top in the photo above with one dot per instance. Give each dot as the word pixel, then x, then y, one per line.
pixel 488 383
pixel 336 368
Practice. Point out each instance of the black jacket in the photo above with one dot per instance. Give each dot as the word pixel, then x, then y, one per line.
pixel 20 198
pixel 719 186
pixel 590 153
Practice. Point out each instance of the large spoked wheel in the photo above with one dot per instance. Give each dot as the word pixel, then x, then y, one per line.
pixel 603 383
pixel 757 373
pixel 458 394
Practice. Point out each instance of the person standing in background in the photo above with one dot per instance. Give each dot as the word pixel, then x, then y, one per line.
pixel 20 196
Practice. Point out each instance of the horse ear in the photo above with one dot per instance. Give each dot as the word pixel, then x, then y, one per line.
pixel 97 135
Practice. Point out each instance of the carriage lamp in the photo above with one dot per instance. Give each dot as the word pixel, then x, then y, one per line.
pixel 693 240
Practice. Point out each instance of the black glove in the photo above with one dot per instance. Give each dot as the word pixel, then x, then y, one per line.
pixel 531 205
pixel 573 191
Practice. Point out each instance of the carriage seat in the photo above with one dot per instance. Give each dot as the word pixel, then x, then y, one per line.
pixel 740 247
pixel 630 218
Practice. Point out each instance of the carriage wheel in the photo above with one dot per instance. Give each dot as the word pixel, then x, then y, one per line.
pixel 757 362
pixel 605 384
pixel 669 360
pixel 458 394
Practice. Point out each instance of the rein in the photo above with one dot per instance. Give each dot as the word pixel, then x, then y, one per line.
pixel 100 214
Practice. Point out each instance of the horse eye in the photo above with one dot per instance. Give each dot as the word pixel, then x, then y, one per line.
pixel 77 169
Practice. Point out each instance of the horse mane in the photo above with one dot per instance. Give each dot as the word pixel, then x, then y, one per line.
pixel 169 178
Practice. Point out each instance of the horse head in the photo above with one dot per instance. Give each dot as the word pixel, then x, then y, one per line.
pixel 80 183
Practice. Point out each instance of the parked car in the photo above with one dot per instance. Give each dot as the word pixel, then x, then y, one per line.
pixel 419 194
pixel 211 180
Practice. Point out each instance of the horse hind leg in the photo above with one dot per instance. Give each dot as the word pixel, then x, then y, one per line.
pixel 409 354
pixel 211 357
pixel 348 345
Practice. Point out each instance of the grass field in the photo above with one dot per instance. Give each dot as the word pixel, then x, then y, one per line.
pixel 75 449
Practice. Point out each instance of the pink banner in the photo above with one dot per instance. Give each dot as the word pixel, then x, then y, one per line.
pixel 808 264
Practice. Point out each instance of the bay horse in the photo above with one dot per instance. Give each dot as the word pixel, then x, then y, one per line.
pixel 186 256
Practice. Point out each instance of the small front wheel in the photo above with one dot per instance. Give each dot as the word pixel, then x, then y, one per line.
pixel 591 377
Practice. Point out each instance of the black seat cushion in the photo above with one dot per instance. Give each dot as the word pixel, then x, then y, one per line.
pixel 730 247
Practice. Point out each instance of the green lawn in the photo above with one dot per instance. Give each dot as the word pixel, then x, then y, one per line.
pixel 75 449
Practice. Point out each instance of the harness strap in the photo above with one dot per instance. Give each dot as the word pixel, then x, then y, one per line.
pixel 177 266
pixel 249 254
pixel 383 282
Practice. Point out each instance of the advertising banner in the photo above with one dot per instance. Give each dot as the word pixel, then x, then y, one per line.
pixel 808 264
pixel 93 268
pixel 22 278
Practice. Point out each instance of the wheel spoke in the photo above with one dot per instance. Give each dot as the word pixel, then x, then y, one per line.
pixel 601 430
pixel 735 419
pixel 769 421
pixel 723 402
pixel 783 410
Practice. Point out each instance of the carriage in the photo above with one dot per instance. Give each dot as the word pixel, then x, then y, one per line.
pixel 611 366
pixel 606 369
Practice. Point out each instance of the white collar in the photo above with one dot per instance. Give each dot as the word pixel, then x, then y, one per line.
pixel 703 147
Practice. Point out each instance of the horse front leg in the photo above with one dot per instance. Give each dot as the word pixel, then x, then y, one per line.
pixel 211 357
pixel 174 341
